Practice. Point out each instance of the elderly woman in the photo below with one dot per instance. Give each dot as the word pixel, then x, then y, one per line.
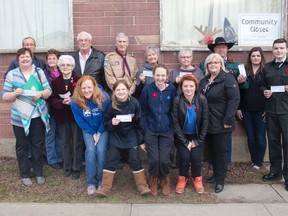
pixel 190 124
pixel 185 57
pixel 144 75
pixel 26 86
pixel 222 93
pixel 70 134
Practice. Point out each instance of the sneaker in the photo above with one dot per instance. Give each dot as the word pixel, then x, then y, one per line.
pixel 26 181
pixel 91 189
pixel 254 169
pixel 40 179
pixel 197 182
pixel 180 187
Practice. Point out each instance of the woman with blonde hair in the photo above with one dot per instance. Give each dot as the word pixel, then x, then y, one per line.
pixel 222 93
pixel 88 105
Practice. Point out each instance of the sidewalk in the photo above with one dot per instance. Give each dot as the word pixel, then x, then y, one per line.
pixel 235 200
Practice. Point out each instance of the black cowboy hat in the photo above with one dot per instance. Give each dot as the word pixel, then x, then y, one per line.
pixel 218 41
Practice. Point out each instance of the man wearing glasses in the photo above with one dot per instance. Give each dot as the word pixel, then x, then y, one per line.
pixel 29 43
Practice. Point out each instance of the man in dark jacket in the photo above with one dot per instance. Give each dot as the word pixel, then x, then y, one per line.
pixel 29 43
pixel 274 84
pixel 88 60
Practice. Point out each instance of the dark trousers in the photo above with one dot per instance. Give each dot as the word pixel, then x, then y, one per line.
pixel 256 135
pixel 159 148
pixel 277 130
pixel 115 154
pixel 35 138
pixel 189 158
pixel 72 146
pixel 218 145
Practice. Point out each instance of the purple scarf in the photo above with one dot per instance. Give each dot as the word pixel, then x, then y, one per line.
pixel 125 63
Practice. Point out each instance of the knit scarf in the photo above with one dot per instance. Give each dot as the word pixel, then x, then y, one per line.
pixel 125 63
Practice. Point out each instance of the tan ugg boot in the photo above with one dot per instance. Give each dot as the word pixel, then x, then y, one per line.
pixel 153 184
pixel 141 183
pixel 107 181
pixel 166 186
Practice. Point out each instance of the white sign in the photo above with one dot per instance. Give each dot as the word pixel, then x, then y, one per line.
pixel 66 95
pixel 258 29
pixel 124 118
pixel 242 70
pixel 148 73
pixel 277 88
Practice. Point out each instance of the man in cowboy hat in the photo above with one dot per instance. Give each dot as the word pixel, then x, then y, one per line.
pixel 221 47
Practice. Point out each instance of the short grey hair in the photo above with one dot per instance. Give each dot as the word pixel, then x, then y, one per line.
pixel 182 51
pixel 152 48
pixel 66 57
pixel 84 33
pixel 120 35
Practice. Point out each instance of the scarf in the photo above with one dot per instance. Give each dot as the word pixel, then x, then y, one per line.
pixel 125 63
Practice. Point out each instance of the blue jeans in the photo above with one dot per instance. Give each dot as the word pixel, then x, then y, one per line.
pixel 95 157
pixel 53 143
pixel 256 134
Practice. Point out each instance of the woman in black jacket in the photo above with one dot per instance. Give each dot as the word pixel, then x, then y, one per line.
pixel 222 93
pixel 122 121
pixel 190 124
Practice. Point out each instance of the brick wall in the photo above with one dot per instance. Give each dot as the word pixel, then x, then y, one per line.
pixel 139 19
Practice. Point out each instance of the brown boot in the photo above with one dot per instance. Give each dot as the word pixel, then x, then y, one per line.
pixel 153 184
pixel 166 186
pixel 107 181
pixel 141 183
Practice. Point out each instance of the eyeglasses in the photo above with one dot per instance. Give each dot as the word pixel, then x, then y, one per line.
pixel 65 65
pixel 213 63
pixel 186 57
pixel 83 40
pixel 28 44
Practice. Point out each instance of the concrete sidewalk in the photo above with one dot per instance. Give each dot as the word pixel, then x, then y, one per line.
pixel 64 209
pixel 235 200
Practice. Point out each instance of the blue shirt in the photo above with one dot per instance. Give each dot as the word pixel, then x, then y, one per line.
pixel 191 120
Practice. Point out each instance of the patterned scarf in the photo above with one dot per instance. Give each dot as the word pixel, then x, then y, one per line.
pixel 125 63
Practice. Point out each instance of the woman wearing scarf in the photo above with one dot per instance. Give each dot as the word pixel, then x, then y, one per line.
pixel 26 87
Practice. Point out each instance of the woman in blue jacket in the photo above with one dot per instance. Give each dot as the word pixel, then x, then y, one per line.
pixel 88 106
pixel 156 102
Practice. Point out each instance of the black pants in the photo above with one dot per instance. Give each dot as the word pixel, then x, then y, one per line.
pixel 72 146
pixel 114 156
pixel 35 138
pixel 159 148
pixel 189 158
pixel 277 130
pixel 218 152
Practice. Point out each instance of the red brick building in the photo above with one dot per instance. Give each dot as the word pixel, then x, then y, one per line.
pixel 139 19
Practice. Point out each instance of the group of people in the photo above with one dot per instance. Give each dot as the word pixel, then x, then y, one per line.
pixel 115 109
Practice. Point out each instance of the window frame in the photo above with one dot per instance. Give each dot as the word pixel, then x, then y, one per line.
pixel 283 33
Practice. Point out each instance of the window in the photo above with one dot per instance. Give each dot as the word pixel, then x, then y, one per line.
pixel 186 23
pixel 48 21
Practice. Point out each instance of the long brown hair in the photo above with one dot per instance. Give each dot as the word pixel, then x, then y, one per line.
pixel 97 96
pixel 113 97
pixel 249 68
